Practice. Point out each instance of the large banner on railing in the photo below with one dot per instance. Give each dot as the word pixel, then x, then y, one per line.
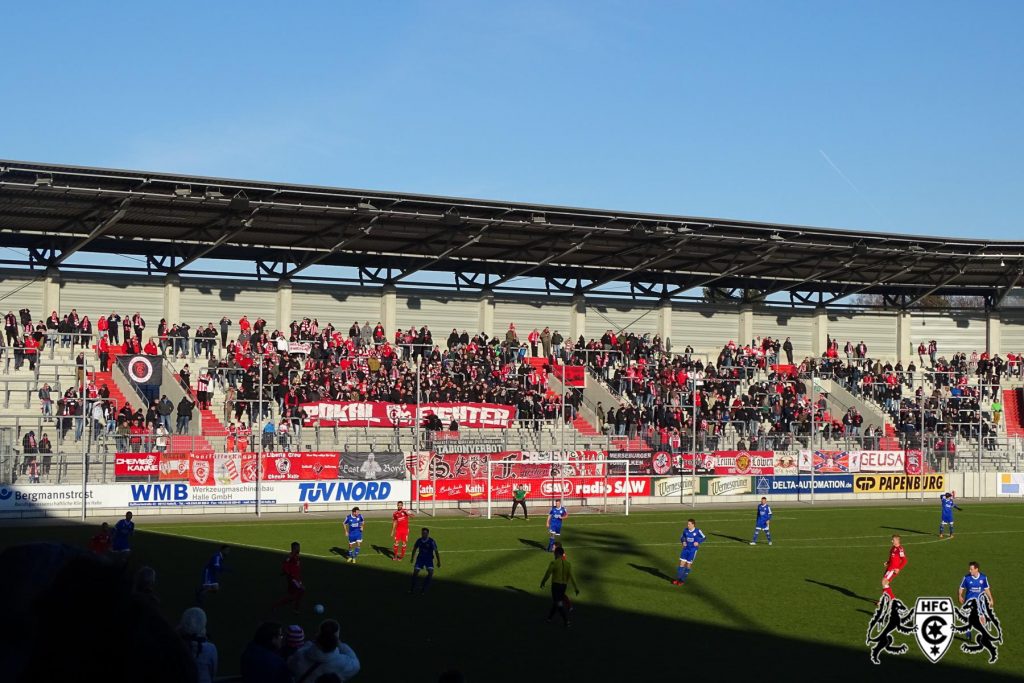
pixel 878 461
pixel 826 462
pixel 135 465
pixel 744 462
pixel 381 414
pixel 371 466
pixel 537 488
pixel 225 469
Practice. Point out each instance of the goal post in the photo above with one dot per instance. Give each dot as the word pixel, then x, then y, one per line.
pixel 585 484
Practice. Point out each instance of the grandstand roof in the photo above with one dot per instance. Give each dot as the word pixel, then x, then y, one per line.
pixel 56 211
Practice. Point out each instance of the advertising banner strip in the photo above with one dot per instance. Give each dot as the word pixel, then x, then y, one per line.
pixel 899 483
pixel 792 484
pixel 1010 484
pixel 546 488
pixel 31 497
pixel 383 414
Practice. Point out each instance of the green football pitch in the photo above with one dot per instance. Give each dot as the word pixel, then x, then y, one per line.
pixel 799 608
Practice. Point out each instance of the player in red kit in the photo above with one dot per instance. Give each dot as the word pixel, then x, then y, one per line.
pixel 292 570
pixel 897 561
pixel 400 530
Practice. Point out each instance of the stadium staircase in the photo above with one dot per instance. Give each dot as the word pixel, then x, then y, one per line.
pixel 1012 405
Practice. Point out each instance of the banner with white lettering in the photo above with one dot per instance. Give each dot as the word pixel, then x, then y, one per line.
pixel 382 414
pixel 371 466
pixel 878 461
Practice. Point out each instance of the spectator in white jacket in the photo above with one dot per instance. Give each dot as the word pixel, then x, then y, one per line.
pixel 326 654
pixel 192 630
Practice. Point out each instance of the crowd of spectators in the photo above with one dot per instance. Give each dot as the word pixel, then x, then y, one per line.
pixel 748 391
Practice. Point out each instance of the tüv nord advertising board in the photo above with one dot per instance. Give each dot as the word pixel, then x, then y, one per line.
pixel 18 498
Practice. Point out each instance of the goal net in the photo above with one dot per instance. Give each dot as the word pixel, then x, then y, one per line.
pixel 584 484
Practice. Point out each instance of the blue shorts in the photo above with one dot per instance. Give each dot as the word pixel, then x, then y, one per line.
pixel 688 554
pixel 427 564
pixel 947 520
pixel 210 579
pixel 556 528
pixel 355 536
pixel 761 524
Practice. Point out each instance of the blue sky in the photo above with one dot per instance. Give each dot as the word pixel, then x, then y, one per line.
pixel 896 116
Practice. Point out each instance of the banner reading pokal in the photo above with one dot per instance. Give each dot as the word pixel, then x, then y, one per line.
pixel 382 414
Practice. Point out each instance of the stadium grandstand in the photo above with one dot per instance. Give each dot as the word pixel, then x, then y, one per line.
pixel 291 318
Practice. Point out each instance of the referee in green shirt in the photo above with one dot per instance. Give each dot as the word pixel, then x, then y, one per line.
pixel 560 573
pixel 519 498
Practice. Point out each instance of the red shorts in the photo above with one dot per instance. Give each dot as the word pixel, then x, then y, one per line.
pixel 402 535
pixel 889 575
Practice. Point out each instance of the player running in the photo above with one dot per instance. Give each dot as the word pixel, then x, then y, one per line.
pixel 211 574
pixel 555 517
pixel 100 543
pixel 424 551
pixel 291 568
pixel 948 505
pixel 123 532
pixel 896 562
pixel 691 539
pixel 354 525
pixel 764 516
pixel 400 530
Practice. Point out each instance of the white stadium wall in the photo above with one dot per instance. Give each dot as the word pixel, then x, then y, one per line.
pixel 204 302
pixel 123 294
pixel 705 328
pixel 336 305
pixel 605 314
pixel 18 292
pixel 786 323
pixel 877 330
pixel 441 312
pixel 1011 327
pixel 952 332
pixel 528 314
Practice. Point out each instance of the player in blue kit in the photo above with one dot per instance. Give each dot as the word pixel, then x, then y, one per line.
pixel 423 553
pixel 764 516
pixel 555 517
pixel 211 574
pixel 354 525
pixel 691 540
pixel 948 505
pixel 123 532
pixel 975 586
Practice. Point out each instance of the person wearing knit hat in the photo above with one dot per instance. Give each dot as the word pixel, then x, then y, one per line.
pixel 192 630
pixel 295 638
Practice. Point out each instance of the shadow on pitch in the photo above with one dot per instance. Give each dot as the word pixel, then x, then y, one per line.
pixel 533 544
pixel 452 602
pixel 384 550
pixel 653 571
pixel 340 552
pixel 731 538
pixel 906 531
pixel 842 591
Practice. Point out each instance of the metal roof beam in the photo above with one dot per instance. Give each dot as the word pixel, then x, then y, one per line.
pixel 324 255
pixel 540 264
pixel 957 272
pixel 102 227
pixel 1001 297
pixel 442 256
pixel 222 240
